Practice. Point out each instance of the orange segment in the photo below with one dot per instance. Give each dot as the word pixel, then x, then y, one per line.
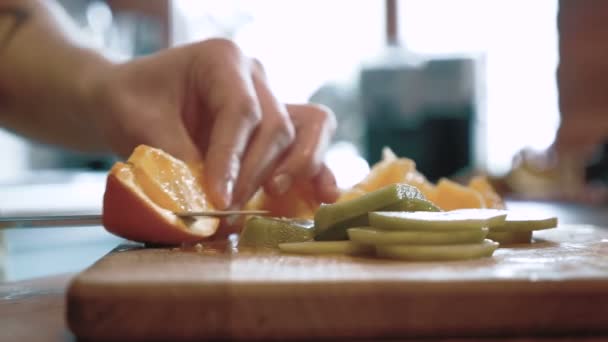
pixel 447 194
pixel 298 202
pixel 351 194
pixel 169 181
pixel 142 195
pixel 491 198
pixel 451 195
pixel 390 170
pixel 431 193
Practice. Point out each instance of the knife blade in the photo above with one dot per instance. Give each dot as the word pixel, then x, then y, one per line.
pixel 83 220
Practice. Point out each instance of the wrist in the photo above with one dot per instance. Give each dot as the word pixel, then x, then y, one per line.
pixel 93 71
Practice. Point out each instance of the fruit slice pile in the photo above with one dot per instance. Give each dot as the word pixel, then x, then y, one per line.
pixel 431 235
pixel 416 230
pixel 332 220
pixel 417 236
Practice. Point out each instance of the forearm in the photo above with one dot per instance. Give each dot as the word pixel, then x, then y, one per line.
pixel 46 78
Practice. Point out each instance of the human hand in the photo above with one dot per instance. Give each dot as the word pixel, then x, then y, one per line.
pixel 209 101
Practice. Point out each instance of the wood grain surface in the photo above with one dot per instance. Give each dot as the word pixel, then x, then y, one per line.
pixel 558 285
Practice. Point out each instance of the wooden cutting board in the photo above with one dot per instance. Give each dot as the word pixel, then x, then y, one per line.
pixel 557 285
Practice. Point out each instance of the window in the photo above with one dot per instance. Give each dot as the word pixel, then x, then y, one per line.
pixel 304 44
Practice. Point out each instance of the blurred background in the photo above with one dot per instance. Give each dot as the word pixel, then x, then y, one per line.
pixel 446 83
pixel 461 87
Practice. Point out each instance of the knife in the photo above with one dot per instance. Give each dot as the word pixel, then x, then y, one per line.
pixel 73 220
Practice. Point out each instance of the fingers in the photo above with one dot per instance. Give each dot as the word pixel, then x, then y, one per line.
pixel 315 126
pixel 273 136
pixel 228 141
pixel 234 97
pixel 255 140
pixel 325 186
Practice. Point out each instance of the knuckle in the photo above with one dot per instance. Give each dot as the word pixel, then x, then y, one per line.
pixel 308 158
pixel 257 66
pixel 308 165
pixel 227 157
pixel 325 115
pixel 283 132
pixel 222 45
pixel 222 148
pixel 247 110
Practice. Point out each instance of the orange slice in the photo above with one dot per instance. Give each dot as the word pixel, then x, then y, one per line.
pixel 298 202
pixel 491 198
pixel 447 195
pixel 143 195
pixel 451 195
pixel 390 170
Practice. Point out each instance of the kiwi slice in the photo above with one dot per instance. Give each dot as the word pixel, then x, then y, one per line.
pixel 327 247
pixel 525 222
pixel 271 231
pixel 516 221
pixel 332 220
pixel 377 237
pixel 412 204
pixel 439 221
pixel 438 252
pixel 496 220
pixel 509 238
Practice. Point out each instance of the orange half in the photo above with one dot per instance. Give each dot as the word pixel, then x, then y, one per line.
pixel 143 195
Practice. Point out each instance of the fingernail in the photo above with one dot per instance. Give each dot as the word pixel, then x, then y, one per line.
pixel 330 188
pixel 281 183
pixel 231 220
pixel 227 193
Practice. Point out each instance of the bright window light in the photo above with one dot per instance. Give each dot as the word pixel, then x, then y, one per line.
pixel 518 43
pixel 346 163
pixel 302 44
